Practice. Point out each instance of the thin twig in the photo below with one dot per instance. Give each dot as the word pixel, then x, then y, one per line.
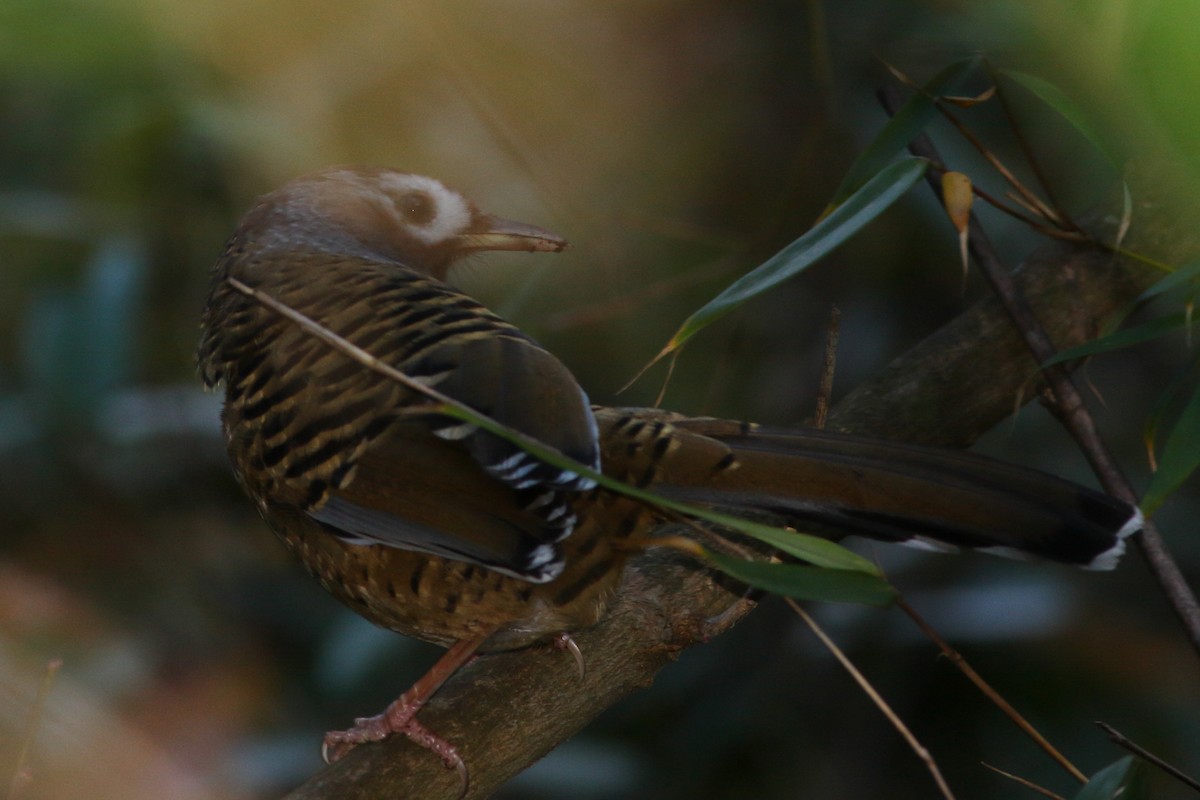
pixel 1123 741
pixel 704 537
pixel 1028 784
pixel 876 698
pixel 468 81
pixel 825 390
pixel 662 392
pixel 1030 156
pixel 974 677
pixel 1036 221
pixel 1071 410
pixel 624 305
pixel 1000 206
pixel 21 774
pixel 1024 203
pixel 1036 203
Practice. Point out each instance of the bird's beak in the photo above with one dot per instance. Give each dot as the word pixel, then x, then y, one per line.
pixel 496 233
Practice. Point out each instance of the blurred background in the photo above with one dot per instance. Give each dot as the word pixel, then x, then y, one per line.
pixel 676 143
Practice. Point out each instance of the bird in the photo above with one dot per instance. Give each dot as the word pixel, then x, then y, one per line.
pixel 439 529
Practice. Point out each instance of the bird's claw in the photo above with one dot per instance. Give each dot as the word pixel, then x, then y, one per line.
pixel 564 642
pixel 397 718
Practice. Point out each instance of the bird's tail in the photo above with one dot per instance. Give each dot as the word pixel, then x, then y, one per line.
pixel 928 497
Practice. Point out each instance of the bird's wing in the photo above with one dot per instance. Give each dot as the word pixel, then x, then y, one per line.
pixel 317 431
pixel 410 490
pixel 518 384
pixel 438 484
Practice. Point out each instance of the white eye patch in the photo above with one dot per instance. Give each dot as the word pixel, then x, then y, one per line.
pixel 451 213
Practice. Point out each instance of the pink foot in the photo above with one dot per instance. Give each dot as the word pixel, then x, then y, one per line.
pixel 400 716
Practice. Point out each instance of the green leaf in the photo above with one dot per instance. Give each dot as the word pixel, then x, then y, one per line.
pixel 808 583
pixel 1168 399
pixel 1176 278
pixel 1130 336
pixel 902 128
pixel 1106 783
pixel 865 205
pixel 1057 99
pixel 1180 457
pixel 813 549
pixel 1186 273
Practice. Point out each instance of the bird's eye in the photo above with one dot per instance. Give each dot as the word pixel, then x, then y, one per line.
pixel 417 207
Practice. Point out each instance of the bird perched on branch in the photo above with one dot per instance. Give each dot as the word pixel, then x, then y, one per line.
pixel 428 525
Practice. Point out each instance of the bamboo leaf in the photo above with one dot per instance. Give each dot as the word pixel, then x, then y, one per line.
pixel 1180 456
pixel 957 198
pixel 968 102
pixel 1186 273
pixel 1167 400
pixel 1108 782
pixel 1057 99
pixel 812 549
pixel 902 128
pixel 847 219
pixel 808 583
pixel 1130 336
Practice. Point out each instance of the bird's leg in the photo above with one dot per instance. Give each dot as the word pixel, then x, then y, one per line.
pixel 400 716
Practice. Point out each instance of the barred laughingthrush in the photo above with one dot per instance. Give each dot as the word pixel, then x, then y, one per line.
pixel 433 528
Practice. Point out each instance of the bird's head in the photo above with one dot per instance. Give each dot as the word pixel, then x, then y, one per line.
pixel 381 213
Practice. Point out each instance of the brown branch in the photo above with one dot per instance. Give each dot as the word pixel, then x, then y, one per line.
pixel 825 388
pixel 507 710
pixel 962 380
pixel 1068 401
pixel 1121 740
